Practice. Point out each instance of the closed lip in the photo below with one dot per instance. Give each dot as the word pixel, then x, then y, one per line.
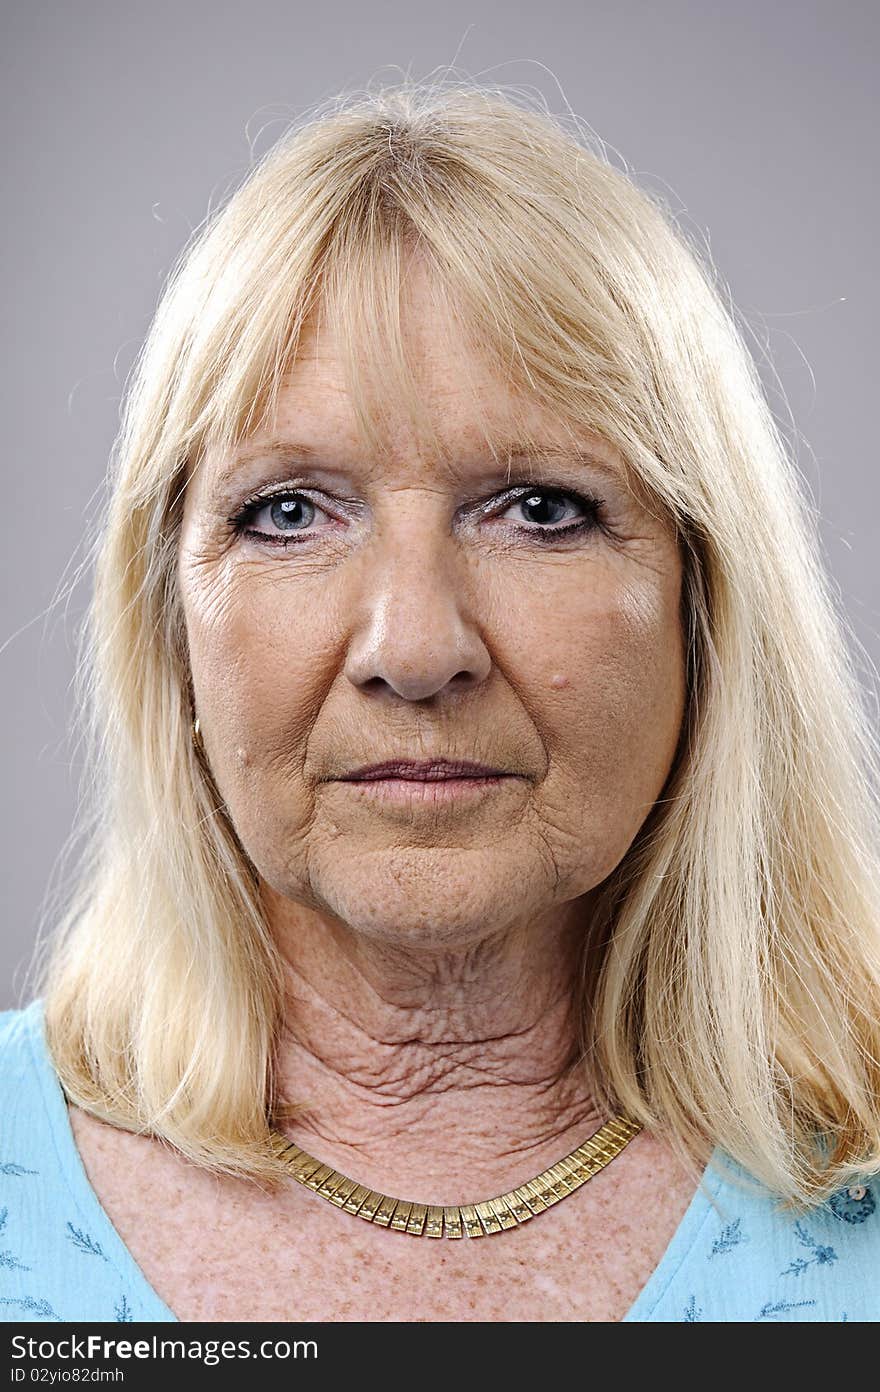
pixel 424 770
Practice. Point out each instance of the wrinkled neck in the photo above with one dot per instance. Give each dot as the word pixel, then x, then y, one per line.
pixel 441 1073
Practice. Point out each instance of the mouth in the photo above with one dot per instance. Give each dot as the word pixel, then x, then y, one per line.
pixel 428 783
pixel 424 771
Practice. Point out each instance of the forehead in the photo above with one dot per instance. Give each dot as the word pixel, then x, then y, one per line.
pixel 469 412
pixel 474 415
pixel 462 397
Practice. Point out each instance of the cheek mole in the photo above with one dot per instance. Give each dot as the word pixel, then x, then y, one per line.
pixel 558 680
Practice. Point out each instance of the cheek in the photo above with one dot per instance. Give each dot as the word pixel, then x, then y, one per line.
pixel 259 659
pixel 608 693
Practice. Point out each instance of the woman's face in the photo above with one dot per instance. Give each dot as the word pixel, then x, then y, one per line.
pixel 423 608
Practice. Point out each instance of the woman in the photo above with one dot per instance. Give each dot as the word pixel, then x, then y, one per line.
pixel 480 769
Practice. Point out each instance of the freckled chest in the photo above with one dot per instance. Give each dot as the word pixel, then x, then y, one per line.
pixel 217 1250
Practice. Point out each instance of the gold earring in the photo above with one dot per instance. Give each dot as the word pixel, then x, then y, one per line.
pixel 197 734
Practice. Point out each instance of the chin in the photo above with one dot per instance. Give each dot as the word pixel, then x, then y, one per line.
pixel 442 898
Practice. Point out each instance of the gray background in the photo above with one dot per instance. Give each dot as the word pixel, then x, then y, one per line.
pixel 124 121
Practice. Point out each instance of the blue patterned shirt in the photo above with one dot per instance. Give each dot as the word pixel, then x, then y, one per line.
pixel 735 1256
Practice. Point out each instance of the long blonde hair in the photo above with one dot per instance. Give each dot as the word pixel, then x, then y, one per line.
pixel 731 982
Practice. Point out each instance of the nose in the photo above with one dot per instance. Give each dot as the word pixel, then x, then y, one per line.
pixel 414 632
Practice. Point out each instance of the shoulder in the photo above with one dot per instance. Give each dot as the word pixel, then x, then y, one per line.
pixel 60 1258
pixel 23 1058
pixel 18 1025
pixel 753 1259
pixel 30 1182
pixel 32 1104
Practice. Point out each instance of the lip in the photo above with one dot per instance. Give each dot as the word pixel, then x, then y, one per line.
pixel 423 771
pixel 428 793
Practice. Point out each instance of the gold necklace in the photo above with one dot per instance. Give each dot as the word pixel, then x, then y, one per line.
pixel 457 1220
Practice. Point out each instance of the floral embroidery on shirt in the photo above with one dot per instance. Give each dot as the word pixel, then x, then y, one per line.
pixel 6 1257
pixel 731 1236
pixel 852 1210
pixel 770 1311
pixel 822 1256
pixel 10 1167
pixel 84 1242
pixel 691 1314
pixel 9 1261
pixel 123 1313
pixel 36 1307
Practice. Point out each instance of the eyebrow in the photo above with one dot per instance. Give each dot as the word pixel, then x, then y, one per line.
pixel 268 450
pixel 509 454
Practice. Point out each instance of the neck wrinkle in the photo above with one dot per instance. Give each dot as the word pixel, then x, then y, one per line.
pixel 441 1078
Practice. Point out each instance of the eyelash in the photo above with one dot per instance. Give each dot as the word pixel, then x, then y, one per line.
pixel 588 523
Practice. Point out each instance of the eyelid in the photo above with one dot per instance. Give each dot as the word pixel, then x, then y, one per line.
pixel 518 491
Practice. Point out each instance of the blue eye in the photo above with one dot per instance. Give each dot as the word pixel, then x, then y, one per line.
pixel 287 513
pixel 290 512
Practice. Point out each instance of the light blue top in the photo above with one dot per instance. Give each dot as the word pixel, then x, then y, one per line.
pixel 735 1255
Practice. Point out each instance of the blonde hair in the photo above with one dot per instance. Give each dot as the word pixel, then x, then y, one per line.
pixel 731 983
